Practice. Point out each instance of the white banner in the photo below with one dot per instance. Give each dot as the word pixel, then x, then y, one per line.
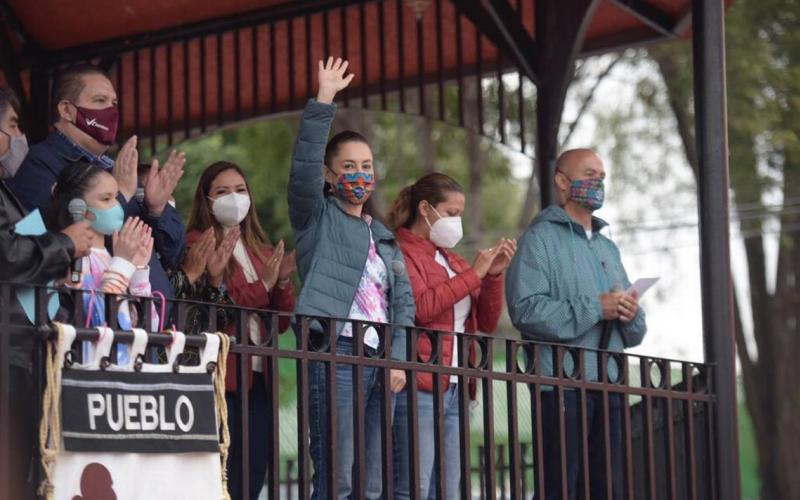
pixel 134 435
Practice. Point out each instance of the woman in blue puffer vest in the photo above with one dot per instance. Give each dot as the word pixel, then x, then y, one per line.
pixel 351 267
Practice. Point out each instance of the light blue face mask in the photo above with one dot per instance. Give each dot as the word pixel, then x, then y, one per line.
pixel 107 220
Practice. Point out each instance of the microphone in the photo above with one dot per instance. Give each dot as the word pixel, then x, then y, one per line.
pixel 140 194
pixel 77 209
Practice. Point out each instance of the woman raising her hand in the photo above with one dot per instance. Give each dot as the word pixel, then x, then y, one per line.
pixel 351 267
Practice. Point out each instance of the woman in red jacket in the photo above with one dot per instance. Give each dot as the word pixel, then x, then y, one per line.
pixel 256 276
pixel 451 296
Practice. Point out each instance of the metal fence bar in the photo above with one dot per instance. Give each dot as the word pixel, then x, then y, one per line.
pixel 303 416
pixel 669 435
pixel 359 406
pixel 413 419
pixel 649 445
pixel 609 472
pixel 464 421
pixel 439 470
pixel 515 461
pixel 584 428
pixel 691 465
pixel 562 436
pixel 271 371
pixel 243 400
pixel 387 412
pixel 488 421
pixel 330 367
pixel 502 467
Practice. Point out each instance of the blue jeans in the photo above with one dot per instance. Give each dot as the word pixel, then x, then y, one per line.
pixel 345 457
pixel 572 430
pixel 258 439
pixel 427 452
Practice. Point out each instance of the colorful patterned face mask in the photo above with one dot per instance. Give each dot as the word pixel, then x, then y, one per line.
pixel 588 193
pixel 355 187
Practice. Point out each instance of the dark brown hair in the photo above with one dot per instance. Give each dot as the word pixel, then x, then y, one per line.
pixel 68 84
pixel 336 142
pixel 200 218
pixel 73 182
pixel 433 188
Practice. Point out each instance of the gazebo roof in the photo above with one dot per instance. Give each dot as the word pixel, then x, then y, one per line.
pixel 189 65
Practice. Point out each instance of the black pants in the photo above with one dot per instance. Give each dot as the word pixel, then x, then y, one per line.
pixel 596 447
pixel 258 440
pixel 24 436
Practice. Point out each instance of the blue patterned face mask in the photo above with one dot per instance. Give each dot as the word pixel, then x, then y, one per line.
pixel 588 193
pixel 355 188
pixel 107 220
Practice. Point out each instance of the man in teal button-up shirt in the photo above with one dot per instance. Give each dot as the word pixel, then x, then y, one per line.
pixel 564 286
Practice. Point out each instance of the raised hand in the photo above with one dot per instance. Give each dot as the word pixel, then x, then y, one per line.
pixel 161 182
pixel 218 260
pixel 508 247
pixel 125 168
pixel 272 266
pixel 126 242
pixel 331 79
pixel 194 263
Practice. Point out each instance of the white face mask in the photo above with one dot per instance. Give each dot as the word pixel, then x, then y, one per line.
pixel 12 159
pixel 446 232
pixel 231 209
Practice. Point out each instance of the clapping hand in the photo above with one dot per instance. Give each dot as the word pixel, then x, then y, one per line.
pixel 272 267
pixel 161 182
pixel 331 79
pixel 126 167
pixel 221 255
pixel 506 249
pixel 128 241
pixel 288 266
pixel 194 264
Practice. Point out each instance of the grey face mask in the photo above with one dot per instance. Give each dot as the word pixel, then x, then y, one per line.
pixel 12 159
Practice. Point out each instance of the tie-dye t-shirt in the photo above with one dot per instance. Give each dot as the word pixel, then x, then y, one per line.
pixel 102 273
pixel 371 302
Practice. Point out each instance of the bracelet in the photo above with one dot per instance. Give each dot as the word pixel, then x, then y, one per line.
pixel 282 283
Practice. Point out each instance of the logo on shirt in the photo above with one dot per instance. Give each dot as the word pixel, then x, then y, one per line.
pixel 93 123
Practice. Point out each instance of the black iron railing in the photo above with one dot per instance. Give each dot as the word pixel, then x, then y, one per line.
pixel 666 404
